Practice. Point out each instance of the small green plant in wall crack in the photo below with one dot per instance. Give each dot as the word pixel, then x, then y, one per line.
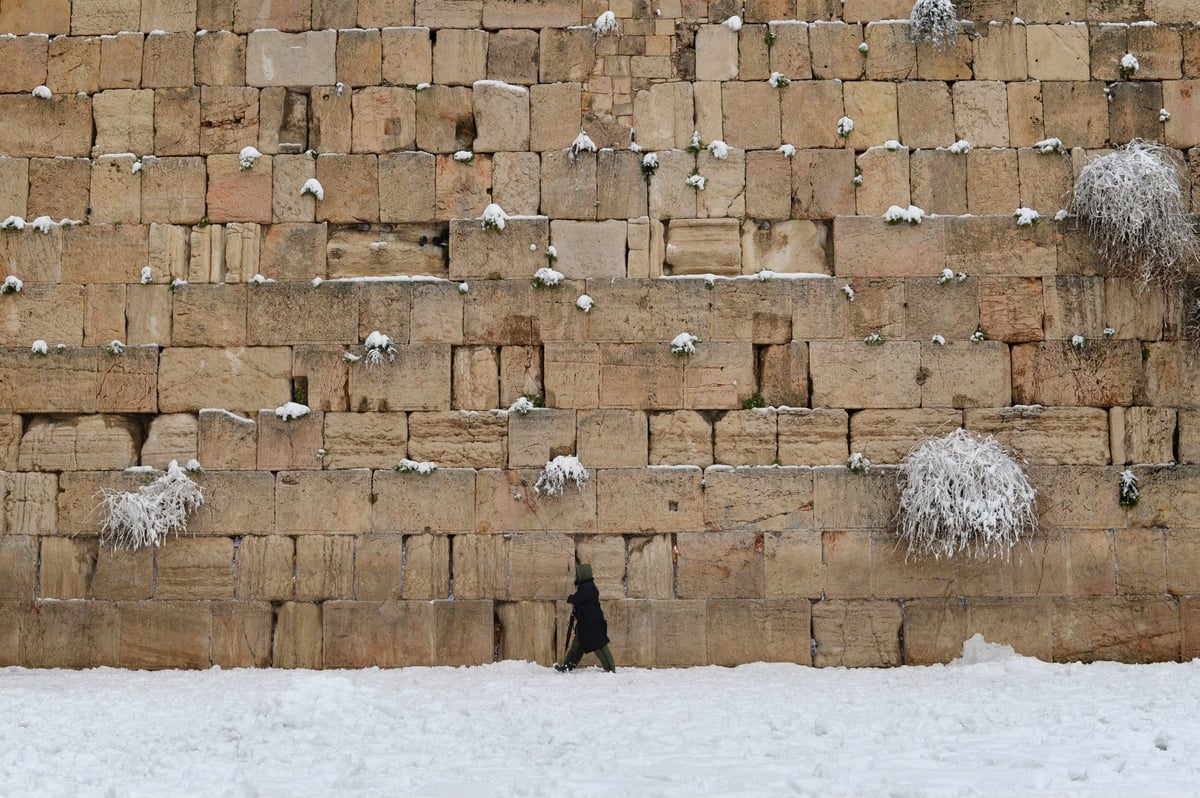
pixel 858 463
pixel 1129 489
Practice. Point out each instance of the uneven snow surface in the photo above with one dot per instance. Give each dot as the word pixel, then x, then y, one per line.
pixel 1004 726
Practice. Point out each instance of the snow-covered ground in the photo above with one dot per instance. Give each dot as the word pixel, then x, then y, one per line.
pixel 992 724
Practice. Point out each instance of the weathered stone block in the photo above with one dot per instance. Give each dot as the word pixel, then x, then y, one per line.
pixel 164 634
pixel 385 119
pixel 292 443
pixel 407 56
pixel 965 374
pixel 852 374
pixel 265 569
pixel 1099 374
pixel 228 118
pixel 810 111
pixel 1126 629
pixel 835 51
pixel 195 568
pixel 540 566
pixel 1076 112
pixel 324 567
pixel 219 58
pixel 418 379
pixel 554 115
pixel 812 437
pixel 670 195
pixel 364 440
pixel 539 436
pixel 745 437
pixel 1047 435
pixel 275 58
pixel 298 640
pixel 458 438
pixel 856 633
pixel 170 437
pixel 443 501
pixel 324 502
pixel 527 631
pixel 680 437
pixel 872 106
pixel 480 566
pixel 359 56
pixel 704 246
pixel 822 183
pixel 680 633
pixel 69 634
pixel 236 379
pixel 721 565
pixel 673 500
pixel 887 436
pixel 460 57
pixel 612 438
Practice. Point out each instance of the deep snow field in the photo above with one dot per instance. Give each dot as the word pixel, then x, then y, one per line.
pixel 990 724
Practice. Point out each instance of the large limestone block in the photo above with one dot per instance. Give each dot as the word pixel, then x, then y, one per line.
pixel 721 565
pixel 750 115
pixel 965 374
pixel 241 634
pixel 856 633
pixel 891 54
pixel 611 438
pixel 768 196
pixel 407 56
pixel 680 633
pixel 589 249
pixel 265 568
pixel 173 190
pixel 759 311
pixel 992 184
pixel 810 111
pixel 822 183
pixel 49 312
pixel 1078 497
pixel 229 117
pixel 480 565
pixel 171 436
pixel 386 634
pixel 527 14
pixel 887 436
pixel 27 57
pixel 771 630
pixel 885 180
pixel 981 113
pixel 704 246
pixel 406 187
pixel 1098 374
pixel 671 500
pixel 297 642
pixel 636 311
pixel 359 57
pixel 501 116
pixel 323 502
pixel 503 311
pixel 680 437
pixel 868 247
pixel 385 119
pixel 566 54
pixel 569 185
pixel 67 565
pixel 783 374
pixel 572 375
pixel 49 128
pixel 64 382
pixel 226 441
pixel 855 375
pixel 935 307
pixel 1047 435
pixel 10 442
pixel 478 253
pixel 291 443
pixel 515 182
pixel 539 436
pixel 812 437
pixel 293 313
pixel 872 106
pixel 527 631
pixel 103 253
pixel 650 567
pixel 324 567
pixel 1126 629
pixel 716 53
pixel 236 194
pixel 996 246
pixel 540 565
pixel 506 501
pixel 426 567
pixel 745 437
pixel 116 190
pixel 757 499
pixel 663 115
pixel 670 195
pixel 835 52
pixel 121 61
pixel 274 58
pixel 195 569
pixel 209 315
pixel 845 500
pixel 1171 495
pixel 30 504
pixel 51 17
pixel 1057 52
pixel 69 634
pixel 164 634
pixel 1142 434
pixel 458 439
pixel 418 379
pixel 1182 129
pixel 379 567
pixel 719 376
pixel 351 188
pixel 554 115
pixel 236 379
pixel 464 632
pixel 646 376
pixel 793 564
pixel 443 501
pixel 724 191
pixel 19 571
pixel 462 187
pixel 364 440
pixel 475 378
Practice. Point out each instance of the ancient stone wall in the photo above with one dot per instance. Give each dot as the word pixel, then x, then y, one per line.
pixel 721 531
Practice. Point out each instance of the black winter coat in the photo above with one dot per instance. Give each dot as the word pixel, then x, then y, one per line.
pixel 590 625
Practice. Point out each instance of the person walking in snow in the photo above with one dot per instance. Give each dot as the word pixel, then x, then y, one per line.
pixel 591 630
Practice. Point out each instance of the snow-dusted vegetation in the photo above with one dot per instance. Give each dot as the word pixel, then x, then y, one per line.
pixel 133 519
pixel 379 348
pixel 1131 203
pixel 963 494
pixel 934 22
pixel 557 473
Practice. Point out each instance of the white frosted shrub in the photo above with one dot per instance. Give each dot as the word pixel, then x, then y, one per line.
pixel 934 22
pixel 1131 203
pixel 964 494
pixel 557 473
pixel 133 519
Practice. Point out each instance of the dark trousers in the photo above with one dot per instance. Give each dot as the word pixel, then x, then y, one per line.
pixel 575 653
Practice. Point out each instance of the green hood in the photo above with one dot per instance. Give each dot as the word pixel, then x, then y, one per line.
pixel 583 572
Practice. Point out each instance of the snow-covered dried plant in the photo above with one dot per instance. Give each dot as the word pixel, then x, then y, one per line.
pixel 845 126
pixel 585 303
pixel 1131 203
pixel 1078 342
pixel 934 22
pixel 1109 332
pixel 551 255
pixel 42 224
pixel 778 80
pixel 858 463
pixel 964 494
pixel 379 348
pixel 697 181
pixel 769 38
pixel 1050 146
pixel 289 411
pixel 960 147
pixel 864 48
pixel 649 164
pixel 494 218
pixel 719 149
pixel 424 468
pixel 694 146
pixel 979 336
pixel 895 214
pixel 247 157
pixel 583 143
pixel 849 292
pixel 605 24
pixel 546 277
pixel 114 347
pixel 786 150
pixel 1164 115
pixel 1129 489
pixel 874 339
pixel 522 406
pixel 684 344
pixel 147 275
pixel 1026 217
pixel 1129 66
pixel 133 519
pixel 39 347
pixel 556 474
pixel 946 276
pixel 313 187
pixel 11 285
pixel 42 92
pixel 938 339
pixel 12 223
